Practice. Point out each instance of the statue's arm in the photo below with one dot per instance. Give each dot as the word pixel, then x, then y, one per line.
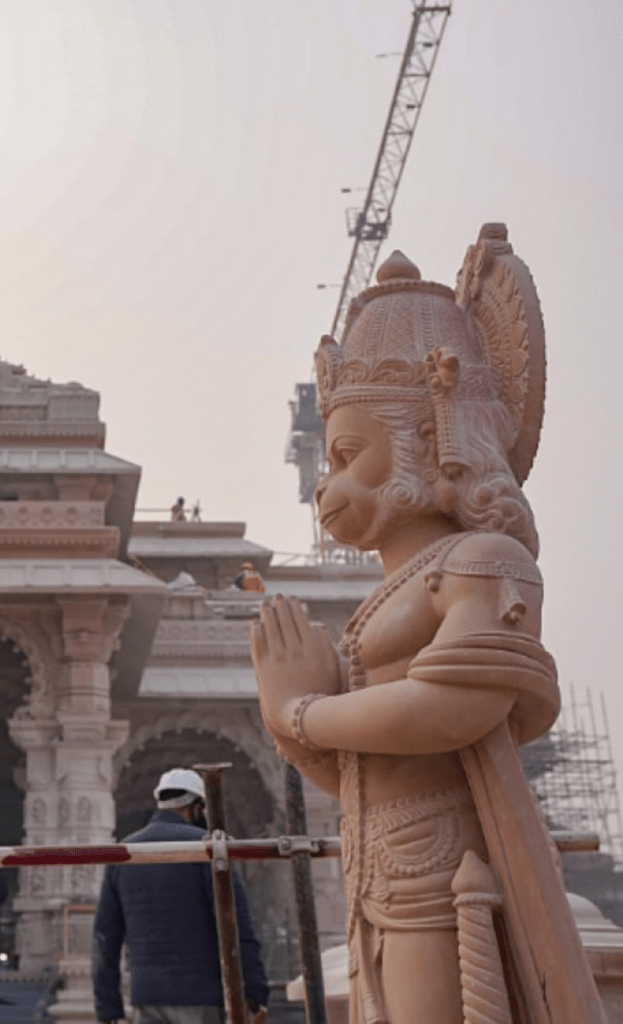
pixel 415 715
pixel 318 766
pixel 407 716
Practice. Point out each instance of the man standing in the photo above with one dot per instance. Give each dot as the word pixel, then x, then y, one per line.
pixel 165 915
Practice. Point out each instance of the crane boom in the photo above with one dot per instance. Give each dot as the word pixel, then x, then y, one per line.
pixel 370 225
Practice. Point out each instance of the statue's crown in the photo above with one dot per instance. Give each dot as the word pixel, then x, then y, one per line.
pixel 411 340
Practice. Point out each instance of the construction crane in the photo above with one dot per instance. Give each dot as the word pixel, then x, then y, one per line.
pixel 369 225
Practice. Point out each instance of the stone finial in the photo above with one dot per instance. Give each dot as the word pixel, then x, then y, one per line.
pixel 398 265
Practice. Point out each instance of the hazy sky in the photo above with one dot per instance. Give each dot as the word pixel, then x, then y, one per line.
pixel 170 197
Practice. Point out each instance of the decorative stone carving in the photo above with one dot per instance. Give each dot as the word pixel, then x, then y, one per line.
pixel 172 631
pixel 232 609
pixel 91 627
pixel 200 638
pixel 37 880
pixel 64 812
pixel 498 292
pixel 102 542
pixel 83 810
pixel 69 739
pixel 433 406
pixel 21 414
pixel 39 811
pixel 84 878
pixel 25 397
pixel 50 515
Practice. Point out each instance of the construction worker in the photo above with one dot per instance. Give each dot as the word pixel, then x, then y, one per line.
pixel 177 511
pixel 164 913
pixel 249 579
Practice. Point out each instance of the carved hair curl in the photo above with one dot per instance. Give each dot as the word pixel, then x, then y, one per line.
pixel 482 495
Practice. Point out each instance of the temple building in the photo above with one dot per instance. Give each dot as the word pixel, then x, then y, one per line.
pixel 124 651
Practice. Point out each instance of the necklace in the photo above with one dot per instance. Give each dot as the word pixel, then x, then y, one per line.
pixel 351 641
pixel 351 762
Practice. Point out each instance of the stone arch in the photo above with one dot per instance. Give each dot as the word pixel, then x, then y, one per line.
pixel 14 689
pixel 250 805
pixel 34 644
pixel 245 730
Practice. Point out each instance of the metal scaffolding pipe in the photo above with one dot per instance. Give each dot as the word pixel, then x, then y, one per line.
pixel 224 898
pixel 315 1008
pixel 238 849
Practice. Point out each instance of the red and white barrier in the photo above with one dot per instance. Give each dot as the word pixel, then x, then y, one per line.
pixel 168 853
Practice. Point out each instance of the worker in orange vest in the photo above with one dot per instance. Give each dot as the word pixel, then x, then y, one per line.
pixel 249 578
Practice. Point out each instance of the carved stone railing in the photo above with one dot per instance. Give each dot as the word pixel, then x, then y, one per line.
pixel 202 637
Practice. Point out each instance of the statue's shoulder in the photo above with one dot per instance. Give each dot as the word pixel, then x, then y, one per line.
pixel 498 572
pixel 491 554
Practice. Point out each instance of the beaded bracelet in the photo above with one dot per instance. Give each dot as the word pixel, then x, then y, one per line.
pixel 296 722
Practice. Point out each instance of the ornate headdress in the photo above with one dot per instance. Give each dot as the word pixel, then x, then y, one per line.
pixel 416 341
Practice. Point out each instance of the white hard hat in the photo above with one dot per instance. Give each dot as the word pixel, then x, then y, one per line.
pixel 180 778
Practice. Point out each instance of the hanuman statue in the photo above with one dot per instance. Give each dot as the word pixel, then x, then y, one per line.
pixel 433 403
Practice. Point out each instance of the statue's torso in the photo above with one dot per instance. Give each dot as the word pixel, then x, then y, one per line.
pixel 479 588
pixel 392 637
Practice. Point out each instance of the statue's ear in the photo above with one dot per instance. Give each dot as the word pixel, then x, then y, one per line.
pixel 441 479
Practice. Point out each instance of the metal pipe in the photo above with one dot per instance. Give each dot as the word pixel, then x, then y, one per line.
pixel 224 900
pixel 305 905
pixel 168 853
pixel 280 848
pixel 575 842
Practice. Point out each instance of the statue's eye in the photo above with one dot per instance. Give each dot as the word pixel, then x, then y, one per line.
pixel 346 454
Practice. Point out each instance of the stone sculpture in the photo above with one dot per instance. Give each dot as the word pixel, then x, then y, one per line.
pixel 433 403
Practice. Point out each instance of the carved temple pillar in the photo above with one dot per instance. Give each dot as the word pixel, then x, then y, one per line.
pixel 69 795
pixel 88 738
pixel 66 587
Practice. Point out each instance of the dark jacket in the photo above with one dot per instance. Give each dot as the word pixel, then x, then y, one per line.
pixel 165 915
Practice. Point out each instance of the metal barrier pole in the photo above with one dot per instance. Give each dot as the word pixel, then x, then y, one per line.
pixel 238 849
pixel 308 928
pixel 224 901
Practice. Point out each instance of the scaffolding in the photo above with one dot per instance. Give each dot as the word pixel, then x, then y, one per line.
pixel 573 774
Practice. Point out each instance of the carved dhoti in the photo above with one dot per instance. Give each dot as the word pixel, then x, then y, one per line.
pixel 399 862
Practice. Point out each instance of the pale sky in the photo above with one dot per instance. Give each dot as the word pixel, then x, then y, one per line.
pixel 170 198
